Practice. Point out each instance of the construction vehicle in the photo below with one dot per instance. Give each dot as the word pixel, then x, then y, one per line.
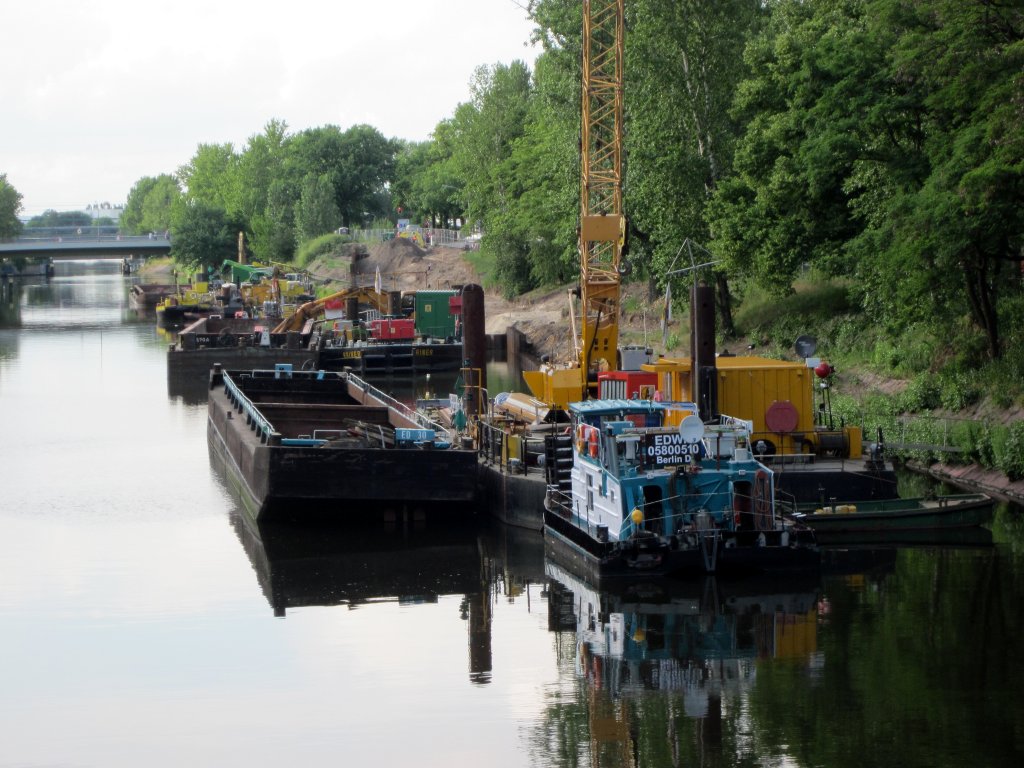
pixel 237 272
pixel 602 224
pixel 311 310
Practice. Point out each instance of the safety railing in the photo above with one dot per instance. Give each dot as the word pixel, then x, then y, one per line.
pixel 257 421
pixel 410 413
pixel 429 236
pixel 253 418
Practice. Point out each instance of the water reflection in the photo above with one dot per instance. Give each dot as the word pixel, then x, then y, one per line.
pixel 301 566
pixel 695 638
pixel 10 303
pixel 81 295
pixel 409 564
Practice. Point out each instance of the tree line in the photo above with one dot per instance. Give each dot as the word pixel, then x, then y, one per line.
pixel 879 142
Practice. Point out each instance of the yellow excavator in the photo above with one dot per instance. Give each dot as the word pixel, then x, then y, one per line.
pixel 313 309
pixel 602 225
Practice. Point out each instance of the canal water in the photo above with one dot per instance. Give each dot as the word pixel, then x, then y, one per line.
pixel 142 623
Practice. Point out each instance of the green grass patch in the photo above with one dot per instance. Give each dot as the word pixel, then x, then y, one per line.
pixel 485 265
pixel 325 245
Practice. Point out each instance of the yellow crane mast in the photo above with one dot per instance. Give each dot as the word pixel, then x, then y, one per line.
pixel 602 225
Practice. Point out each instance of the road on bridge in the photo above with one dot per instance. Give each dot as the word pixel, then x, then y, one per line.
pixel 86 246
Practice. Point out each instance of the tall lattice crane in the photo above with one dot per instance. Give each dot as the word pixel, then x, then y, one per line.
pixel 602 224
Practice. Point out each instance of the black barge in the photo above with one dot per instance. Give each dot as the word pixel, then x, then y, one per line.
pixel 300 445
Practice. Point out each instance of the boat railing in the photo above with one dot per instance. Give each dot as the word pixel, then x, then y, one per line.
pixel 559 499
pixel 785 503
pixel 410 413
pixel 265 429
pixel 253 418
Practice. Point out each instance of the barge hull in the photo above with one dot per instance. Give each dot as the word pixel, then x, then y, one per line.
pixel 600 561
pixel 287 481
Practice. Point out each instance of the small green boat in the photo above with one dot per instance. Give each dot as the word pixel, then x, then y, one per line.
pixel 898 516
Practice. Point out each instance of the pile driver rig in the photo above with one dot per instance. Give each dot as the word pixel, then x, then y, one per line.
pixel 602 224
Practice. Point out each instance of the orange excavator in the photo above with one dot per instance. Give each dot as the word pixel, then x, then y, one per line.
pixel 314 309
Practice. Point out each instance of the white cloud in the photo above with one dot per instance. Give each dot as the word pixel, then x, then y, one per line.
pixel 97 95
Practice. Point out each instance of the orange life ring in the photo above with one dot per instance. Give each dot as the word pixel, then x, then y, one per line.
pixel 593 443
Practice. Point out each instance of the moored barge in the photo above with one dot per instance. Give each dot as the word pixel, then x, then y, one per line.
pixel 302 445
pixel 237 343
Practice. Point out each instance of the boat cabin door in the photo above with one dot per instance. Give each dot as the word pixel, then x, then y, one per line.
pixel 652 508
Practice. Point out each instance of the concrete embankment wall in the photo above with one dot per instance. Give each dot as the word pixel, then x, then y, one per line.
pixel 971 476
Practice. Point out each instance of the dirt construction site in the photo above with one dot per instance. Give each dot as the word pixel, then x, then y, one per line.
pixel 405 266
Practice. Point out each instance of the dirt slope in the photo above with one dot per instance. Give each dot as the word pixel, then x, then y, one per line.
pixel 405 266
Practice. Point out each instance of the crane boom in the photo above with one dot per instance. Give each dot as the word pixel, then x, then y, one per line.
pixel 602 225
pixel 602 222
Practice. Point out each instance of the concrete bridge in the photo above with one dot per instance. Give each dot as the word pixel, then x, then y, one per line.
pixel 88 245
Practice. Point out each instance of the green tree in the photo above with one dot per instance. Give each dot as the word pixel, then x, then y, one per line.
pixel 881 143
pixel 273 230
pixel 963 224
pixel 425 183
pixel 10 207
pixel 546 158
pixel 266 164
pixel 211 178
pixel 264 160
pixel 52 218
pixel 359 162
pixel 203 236
pixel 485 132
pixel 150 204
pixel 316 212
pixel 785 204
pixel 684 62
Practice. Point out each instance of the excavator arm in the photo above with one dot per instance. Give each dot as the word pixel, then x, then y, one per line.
pixel 315 308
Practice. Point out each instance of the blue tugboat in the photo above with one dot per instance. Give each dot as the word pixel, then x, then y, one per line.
pixel 646 497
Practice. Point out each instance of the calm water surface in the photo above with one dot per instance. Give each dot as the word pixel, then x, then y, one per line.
pixel 144 624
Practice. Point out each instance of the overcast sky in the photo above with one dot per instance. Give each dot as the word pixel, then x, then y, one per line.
pixel 95 95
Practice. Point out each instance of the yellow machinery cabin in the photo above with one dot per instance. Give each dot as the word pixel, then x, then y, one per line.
pixel 776 395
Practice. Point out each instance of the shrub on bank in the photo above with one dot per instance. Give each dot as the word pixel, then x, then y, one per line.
pixel 319 246
pixel 1011 462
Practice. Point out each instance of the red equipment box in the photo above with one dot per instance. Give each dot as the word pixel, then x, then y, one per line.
pixel 393 329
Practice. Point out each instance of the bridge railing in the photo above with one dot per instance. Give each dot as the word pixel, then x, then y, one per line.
pixel 35 233
pixel 84 238
pixel 81 234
